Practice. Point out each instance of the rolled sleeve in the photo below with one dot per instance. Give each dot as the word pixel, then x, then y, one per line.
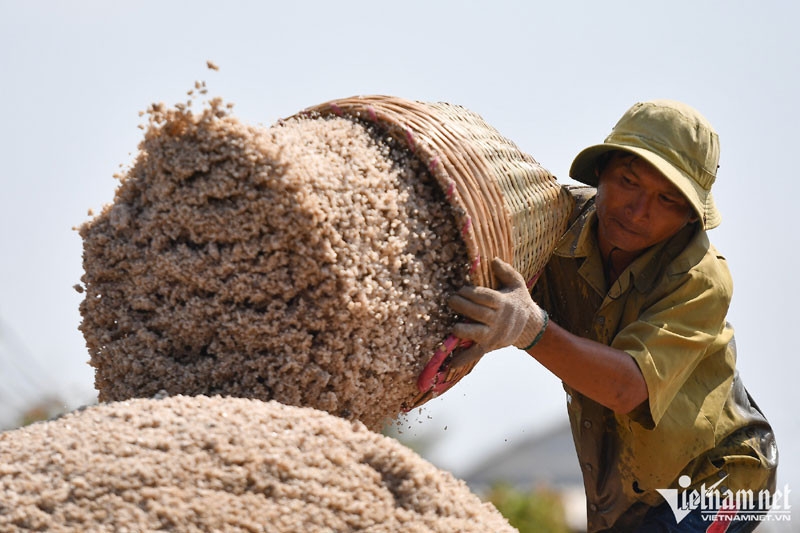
pixel 673 335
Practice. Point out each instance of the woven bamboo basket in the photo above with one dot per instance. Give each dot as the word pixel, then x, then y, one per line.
pixel 506 204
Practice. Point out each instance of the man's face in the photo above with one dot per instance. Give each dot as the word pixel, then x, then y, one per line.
pixel 637 206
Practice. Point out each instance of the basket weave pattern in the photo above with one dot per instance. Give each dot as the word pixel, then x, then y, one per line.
pixel 507 205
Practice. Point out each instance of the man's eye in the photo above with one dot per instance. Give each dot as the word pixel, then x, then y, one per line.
pixel 668 200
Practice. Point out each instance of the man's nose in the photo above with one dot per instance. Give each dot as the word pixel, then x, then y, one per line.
pixel 638 208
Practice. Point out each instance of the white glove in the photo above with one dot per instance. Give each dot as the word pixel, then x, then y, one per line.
pixel 503 317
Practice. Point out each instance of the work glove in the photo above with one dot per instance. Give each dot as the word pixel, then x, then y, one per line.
pixel 504 317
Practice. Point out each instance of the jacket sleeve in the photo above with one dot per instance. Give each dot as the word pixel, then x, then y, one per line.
pixel 684 325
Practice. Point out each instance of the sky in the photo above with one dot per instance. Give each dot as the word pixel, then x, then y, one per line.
pixel 552 76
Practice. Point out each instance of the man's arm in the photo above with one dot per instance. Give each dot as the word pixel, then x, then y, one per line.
pixel 510 317
pixel 608 376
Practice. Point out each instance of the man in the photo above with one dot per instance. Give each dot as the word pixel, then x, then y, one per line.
pixel 630 313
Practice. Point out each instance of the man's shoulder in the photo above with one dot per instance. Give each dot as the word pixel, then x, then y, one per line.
pixel 574 240
pixel 701 258
pixel 694 266
pixel 582 197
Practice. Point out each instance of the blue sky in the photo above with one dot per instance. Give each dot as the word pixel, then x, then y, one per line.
pixel 552 76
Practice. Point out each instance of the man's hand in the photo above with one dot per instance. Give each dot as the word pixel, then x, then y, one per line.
pixel 503 317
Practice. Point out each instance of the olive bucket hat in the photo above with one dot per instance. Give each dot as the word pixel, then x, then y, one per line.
pixel 675 139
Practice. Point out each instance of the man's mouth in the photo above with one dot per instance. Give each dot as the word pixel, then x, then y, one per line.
pixel 628 229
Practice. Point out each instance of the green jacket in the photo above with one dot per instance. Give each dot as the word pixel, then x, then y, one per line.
pixel 668 311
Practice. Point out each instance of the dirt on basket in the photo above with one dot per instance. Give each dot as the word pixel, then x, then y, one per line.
pixel 202 463
pixel 307 263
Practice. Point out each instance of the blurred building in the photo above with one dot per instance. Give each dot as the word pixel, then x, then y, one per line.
pixel 545 460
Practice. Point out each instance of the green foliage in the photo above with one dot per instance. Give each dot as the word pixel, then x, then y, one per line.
pixel 536 511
